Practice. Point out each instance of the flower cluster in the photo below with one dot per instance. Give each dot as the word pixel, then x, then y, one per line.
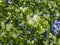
pixel 33 20
pixel 56 27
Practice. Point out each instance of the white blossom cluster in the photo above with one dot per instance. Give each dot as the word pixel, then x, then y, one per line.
pixel 33 20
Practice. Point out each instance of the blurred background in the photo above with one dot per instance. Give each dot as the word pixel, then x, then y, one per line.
pixel 29 22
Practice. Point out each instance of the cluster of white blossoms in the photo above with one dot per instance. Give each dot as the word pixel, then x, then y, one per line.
pixel 33 20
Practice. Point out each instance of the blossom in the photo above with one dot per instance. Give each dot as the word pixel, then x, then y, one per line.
pixel 56 22
pixel 56 27
pixel 36 18
pixel 33 20
pixel 56 32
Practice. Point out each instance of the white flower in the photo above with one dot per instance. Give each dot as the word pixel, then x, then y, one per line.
pixel 33 20
pixel 36 18
pixel 30 21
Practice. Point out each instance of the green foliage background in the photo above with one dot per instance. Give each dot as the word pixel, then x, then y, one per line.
pixel 37 16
